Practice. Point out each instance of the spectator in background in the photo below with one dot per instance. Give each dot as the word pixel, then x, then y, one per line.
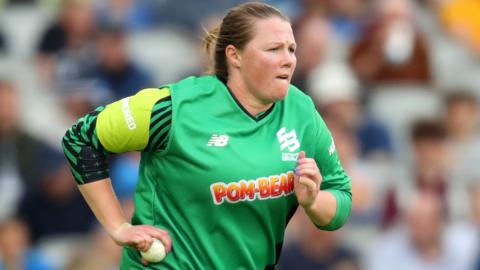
pixel 79 97
pixel 19 155
pixel 360 141
pixel 115 70
pixel 464 236
pixel 57 209
pixel 317 249
pixel 420 244
pixel 15 252
pixel 427 173
pixel 175 14
pixel 347 18
pixel 367 190
pixel 429 142
pixel 461 121
pixel 311 33
pixel 392 50
pixel 462 116
pixel 133 15
pixel 461 18
pixel 335 91
pixel 65 48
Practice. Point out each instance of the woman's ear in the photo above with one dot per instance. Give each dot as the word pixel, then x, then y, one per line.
pixel 233 56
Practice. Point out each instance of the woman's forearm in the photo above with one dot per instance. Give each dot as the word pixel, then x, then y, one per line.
pixel 323 209
pixel 104 203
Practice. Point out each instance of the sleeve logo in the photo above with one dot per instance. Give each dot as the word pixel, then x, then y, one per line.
pixel 127 114
pixel 331 150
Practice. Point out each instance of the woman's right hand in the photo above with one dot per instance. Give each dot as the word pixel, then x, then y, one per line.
pixel 140 237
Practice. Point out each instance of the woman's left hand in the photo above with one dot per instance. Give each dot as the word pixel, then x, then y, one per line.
pixel 307 180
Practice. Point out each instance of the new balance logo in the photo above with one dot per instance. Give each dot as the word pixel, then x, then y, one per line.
pixel 288 140
pixel 218 140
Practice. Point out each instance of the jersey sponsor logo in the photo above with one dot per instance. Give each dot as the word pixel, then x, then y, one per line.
pixel 289 157
pixel 262 188
pixel 127 114
pixel 288 141
pixel 218 140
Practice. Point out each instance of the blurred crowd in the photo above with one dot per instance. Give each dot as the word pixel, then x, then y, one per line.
pixel 397 82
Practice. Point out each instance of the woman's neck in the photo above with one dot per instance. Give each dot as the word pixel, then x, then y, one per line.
pixel 251 103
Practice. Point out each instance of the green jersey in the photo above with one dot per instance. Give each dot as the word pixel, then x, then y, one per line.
pixel 218 179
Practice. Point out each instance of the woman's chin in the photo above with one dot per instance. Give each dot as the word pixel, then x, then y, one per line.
pixel 276 92
pixel 282 92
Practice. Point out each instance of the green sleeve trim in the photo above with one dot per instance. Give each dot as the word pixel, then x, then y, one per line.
pixel 78 178
pixel 70 156
pixel 84 153
pixel 344 207
pixel 124 125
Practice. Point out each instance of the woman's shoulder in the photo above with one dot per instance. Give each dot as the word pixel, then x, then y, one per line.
pixel 298 98
pixel 192 81
pixel 194 85
pixel 297 93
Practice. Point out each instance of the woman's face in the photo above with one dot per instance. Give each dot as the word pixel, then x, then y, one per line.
pixel 267 62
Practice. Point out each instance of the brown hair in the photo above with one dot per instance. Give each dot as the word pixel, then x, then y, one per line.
pixel 236 29
pixel 426 129
pixel 460 96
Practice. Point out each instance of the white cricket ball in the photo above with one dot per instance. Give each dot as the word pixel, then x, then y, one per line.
pixel 156 253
